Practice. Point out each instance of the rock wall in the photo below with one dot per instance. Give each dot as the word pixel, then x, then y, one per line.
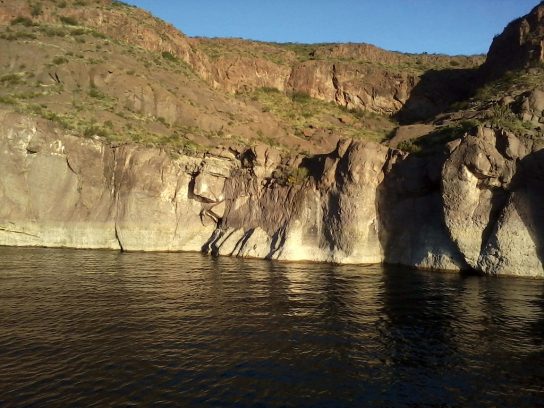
pixel 478 206
pixel 63 191
pixel 354 86
pixel 492 187
pixel 519 46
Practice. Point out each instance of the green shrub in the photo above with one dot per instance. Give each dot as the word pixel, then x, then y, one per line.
pixel 25 21
pixel 18 35
pixel 53 31
pixel 502 117
pixel 410 146
pixel 169 56
pixel 59 60
pixel 118 3
pixel 36 9
pixel 189 148
pixel 35 109
pixel 77 31
pixel 95 130
pixel 27 95
pixel 52 116
pixel 94 92
pixel 94 61
pixel 163 121
pixel 68 20
pixel 300 97
pixel 8 100
pixel 11 79
pixel 291 176
pixel 97 34
pixel 298 176
pixel 270 90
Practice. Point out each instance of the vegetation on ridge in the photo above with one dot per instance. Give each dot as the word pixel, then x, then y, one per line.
pixel 287 54
pixel 308 116
pixel 61 75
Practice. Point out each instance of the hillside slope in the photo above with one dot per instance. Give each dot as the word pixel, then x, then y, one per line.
pixel 507 93
pixel 114 71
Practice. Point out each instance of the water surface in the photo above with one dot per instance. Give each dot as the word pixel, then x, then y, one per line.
pixel 97 328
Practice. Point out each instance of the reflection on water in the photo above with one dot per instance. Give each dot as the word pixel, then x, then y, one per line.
pixel 104 328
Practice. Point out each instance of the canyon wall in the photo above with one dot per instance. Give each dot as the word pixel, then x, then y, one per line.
pixel 477 207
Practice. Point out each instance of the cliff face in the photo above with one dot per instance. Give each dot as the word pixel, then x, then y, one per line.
pixel 353 86
pixel 519 46
pixel 478 207
pixel 64 191
pixel 356 76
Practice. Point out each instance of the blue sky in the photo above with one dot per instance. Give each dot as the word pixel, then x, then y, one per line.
pixel 442 26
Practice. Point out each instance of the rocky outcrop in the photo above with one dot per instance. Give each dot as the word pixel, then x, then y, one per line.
pixel 529 106
pixel 331 219
pixel 477 207
pixel 242 74
pixel 63 191
pixel 353 86
pixel 491 188
pixel 519 46
pixel 356 76
pixel 369 53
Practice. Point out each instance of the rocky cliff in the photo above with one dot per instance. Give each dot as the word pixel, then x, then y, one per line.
pixel 521 45
pixel 476 207
pixel 355 76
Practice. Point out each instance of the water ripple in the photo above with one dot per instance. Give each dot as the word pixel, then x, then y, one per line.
pixel 97 328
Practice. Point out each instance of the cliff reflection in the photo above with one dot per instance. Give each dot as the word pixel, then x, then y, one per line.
pixel 450 328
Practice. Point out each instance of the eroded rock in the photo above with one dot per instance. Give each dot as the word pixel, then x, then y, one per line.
pixel 478 206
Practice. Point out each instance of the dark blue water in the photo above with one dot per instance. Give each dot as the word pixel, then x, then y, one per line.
pixel 93 328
